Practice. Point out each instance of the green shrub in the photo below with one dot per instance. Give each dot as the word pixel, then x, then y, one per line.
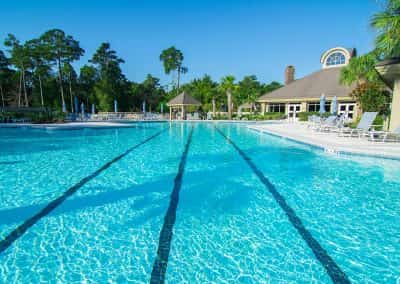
pixel 220 117
pixel 379 122
pixel 35 117
pixel 303 116
pixel 267 116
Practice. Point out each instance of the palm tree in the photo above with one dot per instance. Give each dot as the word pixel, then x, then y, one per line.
pixel 228 86
pixel 387 24
pixel 172 59
pixel 360 70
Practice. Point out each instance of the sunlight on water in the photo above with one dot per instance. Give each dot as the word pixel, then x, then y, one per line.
pixel 229 228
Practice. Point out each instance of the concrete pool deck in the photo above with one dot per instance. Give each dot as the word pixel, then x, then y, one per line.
pixel 330 142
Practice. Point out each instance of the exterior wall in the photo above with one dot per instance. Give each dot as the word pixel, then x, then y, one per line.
pixel 304 104
pixel 303 107
pixel 263 106
pixel 395 113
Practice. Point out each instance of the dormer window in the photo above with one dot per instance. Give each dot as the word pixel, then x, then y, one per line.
pixel 336 58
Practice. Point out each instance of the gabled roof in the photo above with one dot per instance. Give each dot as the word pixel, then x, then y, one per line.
pixel 325 81
pixel 183 99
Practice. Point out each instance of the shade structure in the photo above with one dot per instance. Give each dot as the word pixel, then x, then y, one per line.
pixel 334 105
pixel 162 108
pixel 182 101
pixel 144 106
pixel 115 106
pixel 83 109
pixel 322 101
pixel 93 109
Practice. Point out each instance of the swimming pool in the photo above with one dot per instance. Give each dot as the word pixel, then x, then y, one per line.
pixel 192 203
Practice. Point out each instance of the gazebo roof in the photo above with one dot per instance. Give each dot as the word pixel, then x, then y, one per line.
pixel 183 100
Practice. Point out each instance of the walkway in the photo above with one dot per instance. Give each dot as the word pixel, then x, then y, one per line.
pixel 330 141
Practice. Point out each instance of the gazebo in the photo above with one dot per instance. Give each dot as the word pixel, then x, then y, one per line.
pixel 181 102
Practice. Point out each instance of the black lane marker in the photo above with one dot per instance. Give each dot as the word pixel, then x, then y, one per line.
pixel 333 270
pixel 21 229
pixel 164 243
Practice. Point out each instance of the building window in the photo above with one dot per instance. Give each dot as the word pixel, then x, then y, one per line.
pixel 336 58
pixel 276 108
pixel 315 107
pixel 347 110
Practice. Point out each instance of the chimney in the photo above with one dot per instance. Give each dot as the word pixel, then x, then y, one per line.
pixel 289 74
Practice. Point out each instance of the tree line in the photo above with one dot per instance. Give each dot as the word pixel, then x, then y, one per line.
pixel 40 73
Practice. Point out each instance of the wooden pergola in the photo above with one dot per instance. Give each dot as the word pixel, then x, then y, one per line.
pixel 180 102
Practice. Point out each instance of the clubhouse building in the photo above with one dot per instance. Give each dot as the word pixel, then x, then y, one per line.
pixel 303 95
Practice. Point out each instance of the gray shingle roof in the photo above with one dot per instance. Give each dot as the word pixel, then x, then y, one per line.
pixel 325 81
pixel 183 99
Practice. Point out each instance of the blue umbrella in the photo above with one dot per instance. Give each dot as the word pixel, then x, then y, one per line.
pixel 76 104
pixel 115 106
pixel 334 106
pixel 93 109
pixel 83 109
pixel 144 106
pixel 64 107
pixel 322 104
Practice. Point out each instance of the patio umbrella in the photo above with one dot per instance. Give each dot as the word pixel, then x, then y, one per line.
pixel 322 104
pixel 93 109
pixel 115 106
pixel 334 106
pixel 76 104
pixel 162 108
pixel 83 109
pixel 144 106
pixel 64 107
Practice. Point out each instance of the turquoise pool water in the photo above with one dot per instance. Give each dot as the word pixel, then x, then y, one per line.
pixel 95 206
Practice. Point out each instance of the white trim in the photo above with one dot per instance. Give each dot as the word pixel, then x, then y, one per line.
pixel 329 52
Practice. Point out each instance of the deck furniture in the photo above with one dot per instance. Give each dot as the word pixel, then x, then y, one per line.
pixel 363 127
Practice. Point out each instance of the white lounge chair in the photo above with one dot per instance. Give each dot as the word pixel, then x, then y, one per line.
pixel 336 126
pixel 313 121
pixel 328 122
pixel 385 136
pixel 195 116
pixel 363 127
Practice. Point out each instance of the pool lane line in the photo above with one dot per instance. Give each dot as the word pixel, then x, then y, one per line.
pixel 164 243
pixel 21 229
pixel 335 273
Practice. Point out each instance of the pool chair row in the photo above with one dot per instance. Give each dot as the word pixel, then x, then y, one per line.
pixel 364 129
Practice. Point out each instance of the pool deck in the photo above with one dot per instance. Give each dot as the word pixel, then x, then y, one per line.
pixel 330 142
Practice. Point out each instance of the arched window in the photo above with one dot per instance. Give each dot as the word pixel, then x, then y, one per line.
pixel 336 58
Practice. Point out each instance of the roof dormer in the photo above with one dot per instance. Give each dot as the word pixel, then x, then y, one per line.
pixel 337 57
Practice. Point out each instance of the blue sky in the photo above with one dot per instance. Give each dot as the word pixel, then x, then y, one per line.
pixel 238 37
